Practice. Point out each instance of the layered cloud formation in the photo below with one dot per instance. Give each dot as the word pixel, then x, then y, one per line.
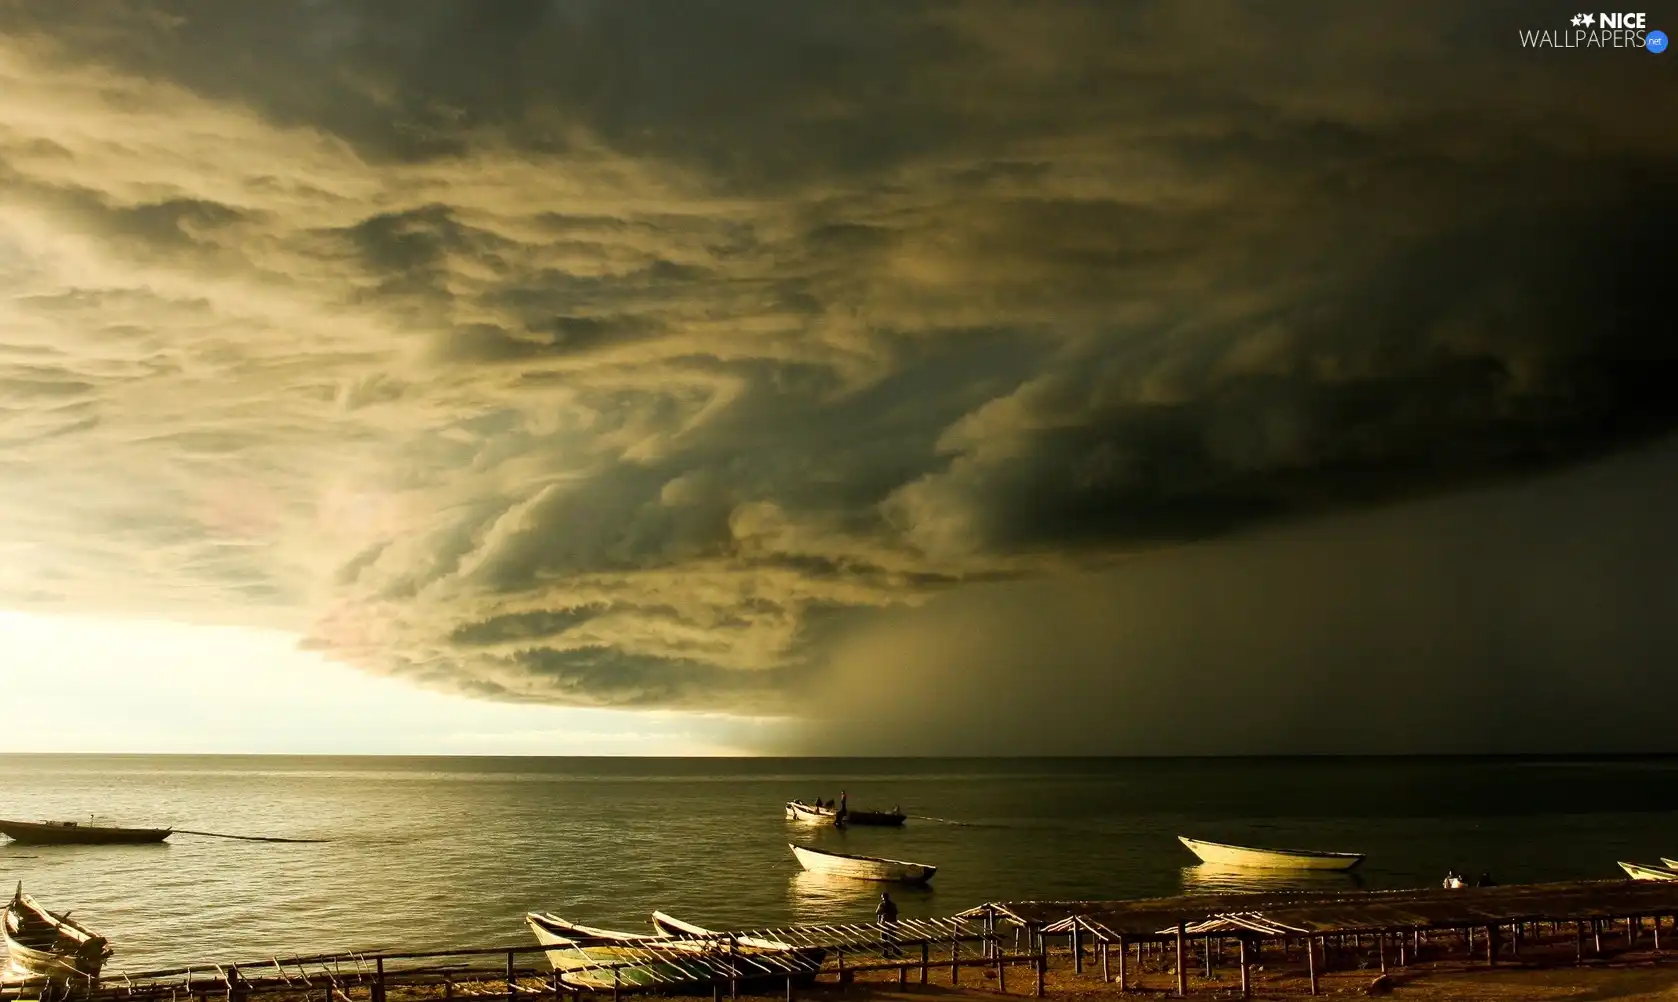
pixel 622 354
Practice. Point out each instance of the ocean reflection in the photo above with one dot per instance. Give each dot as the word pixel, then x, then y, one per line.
pixel 1214 878
pixel 818 897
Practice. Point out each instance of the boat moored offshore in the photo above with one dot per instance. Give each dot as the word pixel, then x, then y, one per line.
pixel 839 864
pixel 76 833
pixel 1270 859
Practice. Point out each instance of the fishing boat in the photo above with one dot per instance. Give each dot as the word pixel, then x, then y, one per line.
pixel 43 944
pixel 797 810
pixel 1670 864
pixel 1637 871
pixel 1270 859
pixel 588 957
pixel 76 833
pixel 803 957
pixel 839 864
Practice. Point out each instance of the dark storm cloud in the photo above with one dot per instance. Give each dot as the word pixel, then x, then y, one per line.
pixel 631 354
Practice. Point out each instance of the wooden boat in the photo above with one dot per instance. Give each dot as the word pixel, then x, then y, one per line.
pixel 797 810
pixel 809 957
pixel 1670 864
pixel 1638 871
pixel 839 864
pixel 43 944
pixel 1270 859
pixel 591 957
pixel 588 957
pixel 76 833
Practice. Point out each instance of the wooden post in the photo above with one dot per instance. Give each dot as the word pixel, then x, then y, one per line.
pixel 733 970
pixel 789 983
pixel 1491 945
pixel 839 955
pixel 955 957
pixel 1381 945
pixel 512 976
pixel 1657 933
pixel 1001 971
pixel 1042 971
pixel 1077 943
pixel 1122 952
pixel 925 956
pixel 1106 972
pixel 1182 967
pixel 1596 934
pixel 617 982
pixel 1579 942
pixel 1311 961
pixel 379 979
pixel 1206 952
pixel 1246 984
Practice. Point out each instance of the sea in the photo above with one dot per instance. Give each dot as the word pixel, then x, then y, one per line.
pixel 438 853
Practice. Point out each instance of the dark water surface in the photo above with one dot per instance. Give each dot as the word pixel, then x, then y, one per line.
pixel 450 852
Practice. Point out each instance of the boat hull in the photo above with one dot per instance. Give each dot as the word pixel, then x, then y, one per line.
pixel 1638 871
pixel 809 957
pixel 828 816
pixel 37 833
pixel 41 944
pixel 601 962
pixel 1220 854
pixel 834 864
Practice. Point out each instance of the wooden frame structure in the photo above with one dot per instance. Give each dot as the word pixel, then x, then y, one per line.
pixel 1397 924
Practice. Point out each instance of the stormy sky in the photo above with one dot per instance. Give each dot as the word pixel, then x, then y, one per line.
pixel 944 377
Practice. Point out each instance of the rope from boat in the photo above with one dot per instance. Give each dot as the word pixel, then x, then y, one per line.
pixel 249 838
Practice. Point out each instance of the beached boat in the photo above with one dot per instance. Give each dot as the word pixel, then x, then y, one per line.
pixel 839 864
pixel 1270 859
pixel 1638 871
pixel 797 810
pixel 43 944
pixel 588 957
pixel 801 957
pixel 76 833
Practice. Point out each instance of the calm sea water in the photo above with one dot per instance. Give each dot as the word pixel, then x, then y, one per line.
pixel 429 853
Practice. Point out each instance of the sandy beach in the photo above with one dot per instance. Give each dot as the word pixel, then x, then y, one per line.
pixel 1633 978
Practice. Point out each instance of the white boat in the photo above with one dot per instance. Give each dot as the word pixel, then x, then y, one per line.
pixel 587 957
pixel 43 944
pixel 1670 864
pixel 798 810
pixel 1638 871
pixel 1270 859
pixel 806 956
pixel 838 864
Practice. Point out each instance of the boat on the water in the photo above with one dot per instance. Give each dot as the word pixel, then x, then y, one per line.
pixel 76 833
pixel 43 944
pixel 1637 871
pixel 1270 859
pixel 797 810
pixel 1670 864
pixel 839 864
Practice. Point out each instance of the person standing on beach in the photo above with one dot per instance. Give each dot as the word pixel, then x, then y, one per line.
pixel 842 807
pixel 886 914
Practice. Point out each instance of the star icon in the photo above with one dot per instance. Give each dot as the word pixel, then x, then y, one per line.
pixel 1578 19
pixel 1589 20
